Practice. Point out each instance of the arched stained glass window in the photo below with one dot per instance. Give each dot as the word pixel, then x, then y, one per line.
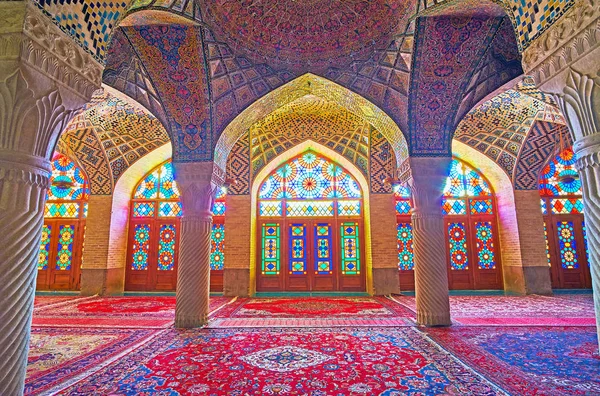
pixel 468 205
pixel 309 185
pixel 69 190
pixel 61 244
pixel 155 226
pixel 564 226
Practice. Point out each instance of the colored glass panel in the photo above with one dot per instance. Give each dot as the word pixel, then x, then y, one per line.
pixel 481 206
pixel 405 246
pixel 403 207
pixel 169 209
pixel 143 209
pixel 349 208
pixel 167 187
pixel 566 206
pixel 401 191
pixel 270 208
pixel 454 206
pixel 167 235
pixel 218 209
pixel 309 208
pixel 457 239
pixel 85 210
pixel 68 210
pixel 221 193
pixel 323 246
pixel 544 206
pixel 567 244
pixel 547 245
pixel 297 251
pixel 465 181
pixel 217 246
pixel 309 176
pixel 44 247
pixel 141 247
pixel 484 242
pixel 350 248
pixel 64 254
pixel 271 246
pixel 148 188
pixel 559 176
pixel 67 181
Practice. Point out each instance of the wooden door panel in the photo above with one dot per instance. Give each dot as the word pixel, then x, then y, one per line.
pixel 322 265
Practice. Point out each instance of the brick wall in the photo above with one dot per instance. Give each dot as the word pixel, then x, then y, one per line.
pixel 384 249
pixel 237 232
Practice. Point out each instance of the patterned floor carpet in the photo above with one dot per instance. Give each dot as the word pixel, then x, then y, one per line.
pixel 368 358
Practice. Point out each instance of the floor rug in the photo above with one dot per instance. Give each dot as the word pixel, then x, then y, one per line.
pixel 533 310
pixel 314 362
pixel 315 307
pixel 125 312
pixel 58 356
pixel 43 301
pixel 529 361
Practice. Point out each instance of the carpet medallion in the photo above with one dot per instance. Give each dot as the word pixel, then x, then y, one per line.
pixel 529 361
pixel 359 361
pixel 314 307
pixel 58 355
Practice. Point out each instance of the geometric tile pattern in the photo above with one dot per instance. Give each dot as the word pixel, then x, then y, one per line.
pixel 532 17
pixel 310 117
pixel 499 127
pixel 541 142
pixel 381 163
pixel 88 22
pixel 238 167
pixel 108 137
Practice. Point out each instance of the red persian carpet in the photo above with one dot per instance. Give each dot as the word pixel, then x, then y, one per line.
pixel 43 301
pixel 529 361
pixel 125 312
pixel 533 310
pixel 314 362
pixel 60 356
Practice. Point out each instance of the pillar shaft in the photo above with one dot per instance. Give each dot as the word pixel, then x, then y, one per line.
pixel 588 164
pixel 426 181
pixel 23 184
pixel 198 183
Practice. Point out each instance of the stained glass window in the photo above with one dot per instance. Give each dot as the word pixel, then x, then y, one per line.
pixel 567 245
pixel 156 197
pixel 306 186
pixel 350 248
pixel 323 242
pixel 64 255
pixel 297 249
pixel 217 247
pixel 68 190
pixel 560 177
pixel 45 247
pixel 271 246
pixel 167 235
pixel 484 242
pixel 405 247
pixel 457 234
pixel 141 247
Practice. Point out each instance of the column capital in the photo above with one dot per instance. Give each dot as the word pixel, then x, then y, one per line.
pixel 199 183
pixel 425 177
pixel 587 150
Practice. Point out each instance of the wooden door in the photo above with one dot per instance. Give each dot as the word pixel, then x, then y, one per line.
pixel 569 262
pixel 60 255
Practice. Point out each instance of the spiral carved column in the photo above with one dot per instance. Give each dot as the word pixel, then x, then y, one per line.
pixel 23 184
pixel 588 164
pixel 426 181
pixel 198 183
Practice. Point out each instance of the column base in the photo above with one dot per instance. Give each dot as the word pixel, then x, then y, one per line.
pixel 527 280
pixel 433 319
pixel 236 282
pixel 104 282
pixel 190 322
pixel 385 281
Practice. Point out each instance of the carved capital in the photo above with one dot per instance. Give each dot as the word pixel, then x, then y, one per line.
pixel 587 150
pixel 199 183
pixel 426 181
pixel 575 34
pixel 580 103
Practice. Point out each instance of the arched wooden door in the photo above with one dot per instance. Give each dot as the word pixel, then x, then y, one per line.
pixel 562 207
pixel 469 209
pixel 154 233
pixel 61 245
pixel 310 228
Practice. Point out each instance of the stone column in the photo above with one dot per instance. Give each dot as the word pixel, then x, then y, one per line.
pixel 426 178
pixel 23 183
pixel 198 184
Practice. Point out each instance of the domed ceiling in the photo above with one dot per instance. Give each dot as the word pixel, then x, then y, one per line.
pixel 303 34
